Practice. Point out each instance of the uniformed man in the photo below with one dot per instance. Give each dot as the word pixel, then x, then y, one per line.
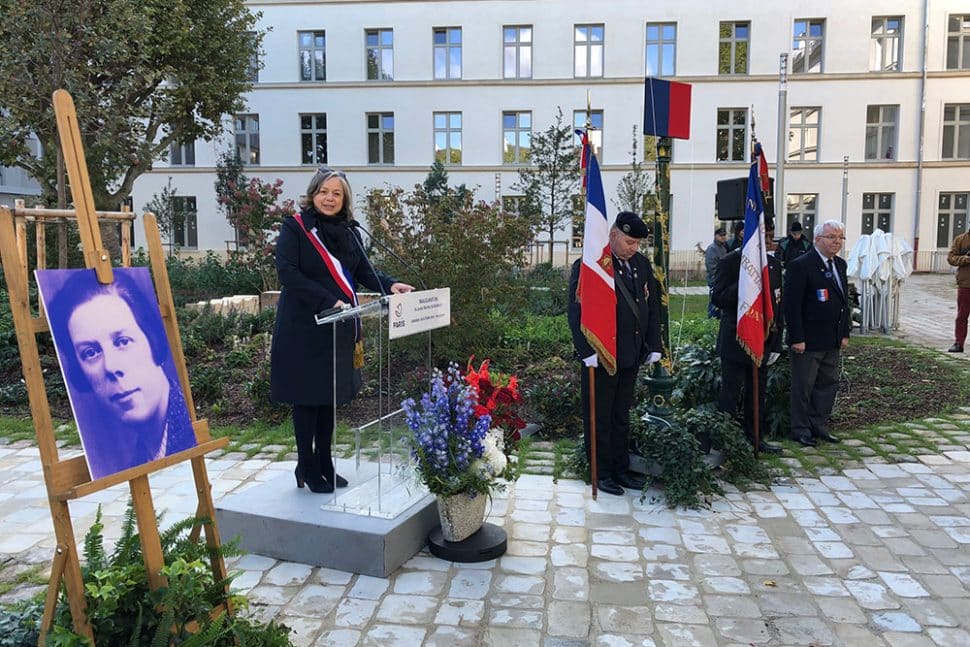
pixel 637 342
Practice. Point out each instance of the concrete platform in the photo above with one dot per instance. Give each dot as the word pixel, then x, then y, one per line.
pixel 346 531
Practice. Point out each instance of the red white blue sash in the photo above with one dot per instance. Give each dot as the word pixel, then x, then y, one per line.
pixel 333 264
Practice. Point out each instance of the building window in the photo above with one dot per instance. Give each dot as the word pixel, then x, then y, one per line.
pixel 733 48
pixel 380 54
pixel 887 38
pixel 252 66
pixel 806 48
pixel 956 131
pixel 958 43
pixel 517 137
pixel 313 138
pixel 595 135
pixel 588 48
pixel 182 154
pixel 447 137
pixel 732 134
pixel 380 138
pixel 881 132
pixel 661 53
pixel 951 219
pixel 247 138
pixel 877 212
pixel 517 51
pixel 803 134
pixel 447 52
pixel 185 224
pixel 801 207
pixel 313 55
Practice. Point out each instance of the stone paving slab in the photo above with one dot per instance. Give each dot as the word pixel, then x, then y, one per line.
pixel 875 556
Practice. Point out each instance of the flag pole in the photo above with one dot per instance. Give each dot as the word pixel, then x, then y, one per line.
pixel 587 150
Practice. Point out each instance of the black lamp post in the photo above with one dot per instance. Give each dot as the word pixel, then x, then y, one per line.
pixel 660 382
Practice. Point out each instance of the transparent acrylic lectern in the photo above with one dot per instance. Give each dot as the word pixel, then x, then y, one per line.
pixel 382 479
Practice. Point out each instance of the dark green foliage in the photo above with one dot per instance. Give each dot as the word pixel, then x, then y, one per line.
pixel 207 277
pixel 20 624
pixel 697 376
pixel 449 240
pixel 206 383
pixel 740 466
pixel 674 448
pixel 527 339
pixel 777 400
pixel 257 390
pixel 135 96
pixel 552 397
pixel 122 610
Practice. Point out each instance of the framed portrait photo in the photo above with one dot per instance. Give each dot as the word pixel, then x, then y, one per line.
pixel 118 368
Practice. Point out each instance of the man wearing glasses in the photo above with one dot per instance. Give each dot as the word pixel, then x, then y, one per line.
pixel 817 311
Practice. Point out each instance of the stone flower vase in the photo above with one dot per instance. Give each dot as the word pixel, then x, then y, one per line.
pixel 461 515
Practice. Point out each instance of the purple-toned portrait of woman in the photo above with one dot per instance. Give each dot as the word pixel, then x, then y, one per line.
pixel 118 367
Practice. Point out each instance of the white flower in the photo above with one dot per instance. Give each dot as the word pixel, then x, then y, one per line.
pixel 493 453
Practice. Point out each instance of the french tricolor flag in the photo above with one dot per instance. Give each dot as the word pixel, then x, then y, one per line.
pixel 666 108
pixel 596 291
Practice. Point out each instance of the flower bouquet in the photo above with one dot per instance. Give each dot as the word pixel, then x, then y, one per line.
pixel 456 454
pixel 499 398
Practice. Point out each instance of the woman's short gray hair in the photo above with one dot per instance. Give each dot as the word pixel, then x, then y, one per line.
pixel 835 224
pixel 322 175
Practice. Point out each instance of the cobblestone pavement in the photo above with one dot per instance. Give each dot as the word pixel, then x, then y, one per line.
pixel 874 556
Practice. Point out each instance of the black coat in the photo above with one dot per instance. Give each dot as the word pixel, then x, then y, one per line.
pixel 724 294
pixel 789 249
pixel 816 311
pixel 302 361
pixel 633 342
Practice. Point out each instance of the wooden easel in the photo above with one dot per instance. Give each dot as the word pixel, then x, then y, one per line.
pixel 69 479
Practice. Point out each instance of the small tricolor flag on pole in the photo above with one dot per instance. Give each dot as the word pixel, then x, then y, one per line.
pixel 755 312
pixel 596 291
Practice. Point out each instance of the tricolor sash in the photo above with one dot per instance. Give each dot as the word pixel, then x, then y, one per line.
pixel 339 275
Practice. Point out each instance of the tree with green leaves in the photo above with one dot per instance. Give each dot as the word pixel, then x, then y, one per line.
pixel 169 212
pixel 452 240
pixel 143 75
pixel 636 185
pixel 551 181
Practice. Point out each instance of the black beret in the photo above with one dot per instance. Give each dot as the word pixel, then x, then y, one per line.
pixel 720 231
pixel 631 225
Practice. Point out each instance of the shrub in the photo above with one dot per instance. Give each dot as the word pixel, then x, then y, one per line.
pixel 451 240
pixel 123 611
pixel 553 399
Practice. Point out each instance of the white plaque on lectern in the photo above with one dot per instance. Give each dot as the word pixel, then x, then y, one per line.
pixel 418 311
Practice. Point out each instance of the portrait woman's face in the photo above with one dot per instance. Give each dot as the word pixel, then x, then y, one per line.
pixel 116 357
pixel 329 199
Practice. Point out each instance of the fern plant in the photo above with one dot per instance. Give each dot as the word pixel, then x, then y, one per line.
pixel 123 611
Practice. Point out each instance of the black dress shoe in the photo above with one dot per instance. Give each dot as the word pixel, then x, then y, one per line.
pixel 630 480
pixel 768 448
pixel 609 486
pixel 955 348
pixel 829 438
pixel 806 441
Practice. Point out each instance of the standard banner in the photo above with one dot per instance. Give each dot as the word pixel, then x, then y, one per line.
pixel 419 311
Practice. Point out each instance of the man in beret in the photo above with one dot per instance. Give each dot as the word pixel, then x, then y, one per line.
pixel 637 343
pixel 793 245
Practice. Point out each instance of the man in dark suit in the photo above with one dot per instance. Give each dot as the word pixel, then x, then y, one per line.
pixel 637 342
pixel 735 362
pixel 817 312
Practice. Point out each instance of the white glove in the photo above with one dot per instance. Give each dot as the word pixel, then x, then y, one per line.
pixel 592 361
pixel 653 358
pixel 773 357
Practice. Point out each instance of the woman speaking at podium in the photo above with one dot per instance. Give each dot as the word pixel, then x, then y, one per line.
pixel 320 262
